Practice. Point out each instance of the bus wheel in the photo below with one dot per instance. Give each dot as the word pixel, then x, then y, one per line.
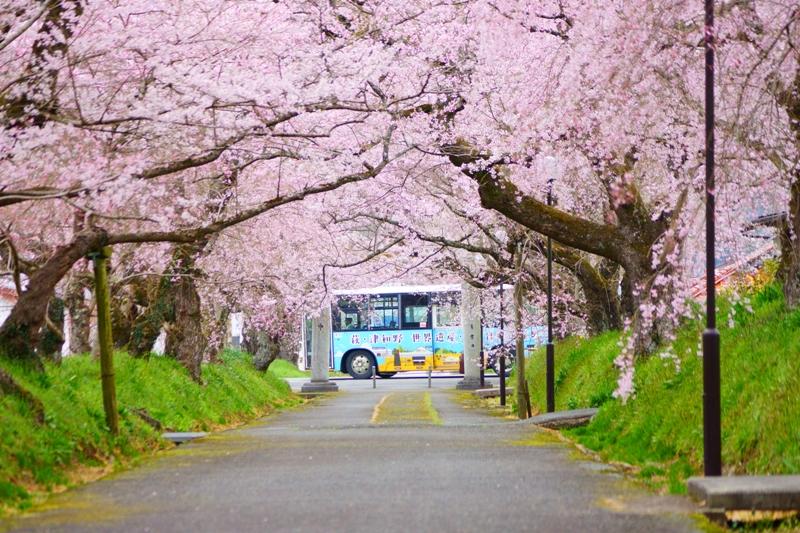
pixel 386 375
pixel 509 367
pixel 359 364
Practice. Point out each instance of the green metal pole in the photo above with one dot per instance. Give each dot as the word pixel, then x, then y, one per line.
pixel 523 400
pixel 103 297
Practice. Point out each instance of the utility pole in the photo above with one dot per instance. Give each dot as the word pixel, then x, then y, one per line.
pixel 712 432
pixel 103 296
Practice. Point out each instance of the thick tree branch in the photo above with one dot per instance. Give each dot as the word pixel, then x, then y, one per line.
pixel 502 195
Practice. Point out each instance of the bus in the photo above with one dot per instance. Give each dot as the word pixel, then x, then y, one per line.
pixel 405 329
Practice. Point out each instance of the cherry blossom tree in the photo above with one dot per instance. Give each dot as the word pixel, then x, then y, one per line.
pixel 402 137
pixel 151 118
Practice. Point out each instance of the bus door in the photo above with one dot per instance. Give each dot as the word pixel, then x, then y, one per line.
pixel 448 336
pixel 415 318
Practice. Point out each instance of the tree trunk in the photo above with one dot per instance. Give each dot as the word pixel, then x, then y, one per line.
pixel 789 272
pixel 627 299
pixel 627 242
pixel 270 352
pixel 147 325
pixel 602 304
pixel 646 332
pixel 20 333
pixel 79 311
pixel 185 340
pixel 288 351
pixel 217 335
pixel 264 348
pixel 123 315
pixel 52 338
pixel 602 308
pixel 175 306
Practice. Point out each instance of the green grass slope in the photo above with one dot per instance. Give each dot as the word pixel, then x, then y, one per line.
pixel 285 369
pixel 73 443
pixel 660 429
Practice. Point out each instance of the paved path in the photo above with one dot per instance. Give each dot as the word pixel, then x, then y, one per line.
pixel 399 458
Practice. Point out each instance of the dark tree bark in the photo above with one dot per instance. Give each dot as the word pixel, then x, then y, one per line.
pixel 603 311
pixel 185 340
pixel 627 299
pixel 217 334
pixel 79 310
pixel 628 242
pixel 52 338
pixel 175 306
pixel 21 330
pixel 264 347
pixel 124 311
pixel 789 272
pixel 599 285
pixel 146 326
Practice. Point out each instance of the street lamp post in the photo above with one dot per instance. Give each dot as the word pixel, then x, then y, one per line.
pixel 550 357
pixel 712 440
pixel 502 349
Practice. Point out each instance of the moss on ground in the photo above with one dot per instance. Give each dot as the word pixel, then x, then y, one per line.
pixel 539 438
pixel 491 405
pixel 406 408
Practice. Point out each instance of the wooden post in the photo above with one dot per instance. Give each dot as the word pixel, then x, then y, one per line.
pixel 523 400
pixel 103 297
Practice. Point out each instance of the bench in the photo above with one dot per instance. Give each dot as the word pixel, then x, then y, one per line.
pixel 180 437
pixel 747 493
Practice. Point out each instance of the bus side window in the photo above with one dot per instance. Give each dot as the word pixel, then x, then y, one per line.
pixel 447 310
pixel 416 311
pixel 384 311
pixel 447 315
pixel 348 315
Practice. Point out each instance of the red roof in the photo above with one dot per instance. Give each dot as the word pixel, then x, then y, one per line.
pixel 725 273
pixel 8 294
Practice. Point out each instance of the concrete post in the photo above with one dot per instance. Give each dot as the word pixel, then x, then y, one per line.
pixel 471 322
pixel 320 350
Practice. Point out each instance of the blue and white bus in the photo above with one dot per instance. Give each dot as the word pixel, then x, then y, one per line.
pixel 404 329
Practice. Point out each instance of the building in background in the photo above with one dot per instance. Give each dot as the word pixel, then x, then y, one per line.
pixel 236 330
pixel 8 297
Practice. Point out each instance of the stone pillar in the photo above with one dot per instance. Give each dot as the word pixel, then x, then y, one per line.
pixel 320 351
pixel 471 322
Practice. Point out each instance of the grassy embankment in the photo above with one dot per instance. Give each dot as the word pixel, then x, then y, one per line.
pixel 73 444
pixel 286 369
pixel 660 429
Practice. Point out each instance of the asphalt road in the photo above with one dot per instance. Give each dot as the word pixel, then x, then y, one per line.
pixel 398 458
